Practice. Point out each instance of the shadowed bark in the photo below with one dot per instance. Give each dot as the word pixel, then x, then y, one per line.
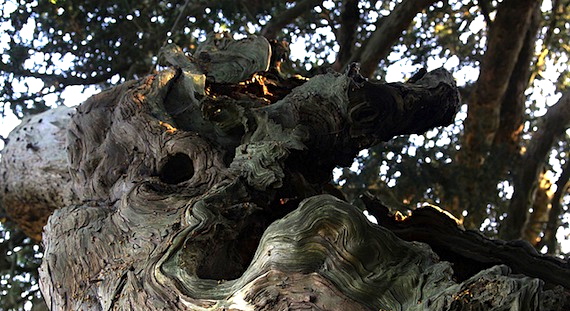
pixel 507 140
pixel 503 51
pixel 539 211
pixel 468 250
pixel 505 148
pixel 199 193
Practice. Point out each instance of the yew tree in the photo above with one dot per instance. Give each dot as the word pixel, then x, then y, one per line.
pixel 202 176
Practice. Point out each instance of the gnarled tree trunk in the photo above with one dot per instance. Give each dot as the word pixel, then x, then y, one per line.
pixel 204 187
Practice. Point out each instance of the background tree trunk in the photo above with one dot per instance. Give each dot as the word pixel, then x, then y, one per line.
pixel 495 108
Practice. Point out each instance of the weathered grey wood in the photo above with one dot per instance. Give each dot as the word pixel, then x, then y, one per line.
pixel 34 177
pixel 196 195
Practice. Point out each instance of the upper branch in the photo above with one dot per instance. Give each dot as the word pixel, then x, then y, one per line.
pixel 513 103
pixel 278 22
pixel 345 114
pixel 388 30
pixel 346 36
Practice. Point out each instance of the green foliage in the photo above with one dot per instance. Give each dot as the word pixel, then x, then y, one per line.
pixel 20 258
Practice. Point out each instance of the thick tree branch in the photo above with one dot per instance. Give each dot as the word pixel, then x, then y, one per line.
pixel 278 22
pixel 506 144
pixel 553 125
pixel 36 147
pixel 349 19
pixel 388 30
pixel 468 250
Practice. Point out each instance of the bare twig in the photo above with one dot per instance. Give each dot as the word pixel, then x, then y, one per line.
pixel 176 22
pixel 485 7
pixel 557 10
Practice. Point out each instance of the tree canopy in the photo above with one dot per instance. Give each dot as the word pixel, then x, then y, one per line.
pixel 502 167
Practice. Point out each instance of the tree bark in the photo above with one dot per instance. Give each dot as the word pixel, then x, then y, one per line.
pixel 511 121
pixel 197 195
pixel 469 250
pixel 35 179
pixel 541 205
pixel 503 51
